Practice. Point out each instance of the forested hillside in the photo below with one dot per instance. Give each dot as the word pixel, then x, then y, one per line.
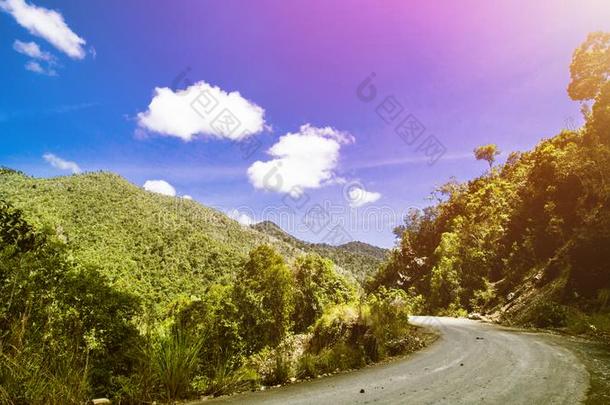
pixel 530 239
pixel 156 246
pixel 356 258
pixel 114 291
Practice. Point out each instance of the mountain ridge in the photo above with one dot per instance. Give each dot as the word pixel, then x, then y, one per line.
pixel 362 259
pixel 159 246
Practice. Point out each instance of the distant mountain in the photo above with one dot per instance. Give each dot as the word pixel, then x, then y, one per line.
pixel 356 258
pixel 156 246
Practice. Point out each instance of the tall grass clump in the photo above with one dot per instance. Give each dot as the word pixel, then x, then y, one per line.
pixel 176 359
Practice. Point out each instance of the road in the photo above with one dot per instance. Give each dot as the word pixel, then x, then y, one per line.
pixel 471 363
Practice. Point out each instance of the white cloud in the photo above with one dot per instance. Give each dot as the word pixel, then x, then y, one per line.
pixel 358 196
pixel 187 197
pixel 302 160
pixel 61 164
pixel 32 50
pixel 240 217
pixel 35 67
pixel 160 187
pixel 47 24
pixel 194 111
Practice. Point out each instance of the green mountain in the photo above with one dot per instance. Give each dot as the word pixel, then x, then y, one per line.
pixel 357 258
pixel 156 246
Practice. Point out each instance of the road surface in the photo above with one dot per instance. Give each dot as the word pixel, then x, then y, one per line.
pixel 471 363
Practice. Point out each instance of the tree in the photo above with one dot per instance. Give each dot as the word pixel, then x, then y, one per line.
pixel 317 287
pixel 264 294
pixel 590 67
pixel 590 80
pixel 445 281
pixel 487 152
pixel 64 332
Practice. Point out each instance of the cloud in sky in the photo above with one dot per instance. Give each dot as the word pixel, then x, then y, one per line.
pixel 36 67
pixel 187 197
pixel 61 164
pixel 357 196
pixel 202 109
pixel 301 160
pixel 47 24
pixel 240 217
pixel 32 50
pixel 160 187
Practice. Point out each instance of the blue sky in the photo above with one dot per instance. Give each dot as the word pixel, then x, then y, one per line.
pixel 105 86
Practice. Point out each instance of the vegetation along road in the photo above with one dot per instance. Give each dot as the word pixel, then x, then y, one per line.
pixel 471 362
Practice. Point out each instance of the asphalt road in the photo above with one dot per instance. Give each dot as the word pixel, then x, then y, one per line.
pixel 471 363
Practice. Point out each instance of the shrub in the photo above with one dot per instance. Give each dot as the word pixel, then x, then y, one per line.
pixel 215 319
pixel 318 286
pixel 225 380
pixel 548 314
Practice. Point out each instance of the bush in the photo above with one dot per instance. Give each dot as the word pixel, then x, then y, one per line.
pixel 225 380
pixel 350 336
pixel 548 314
pixel 215 319
pixel 318 286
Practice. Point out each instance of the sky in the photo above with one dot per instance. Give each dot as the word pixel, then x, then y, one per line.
pixel 330 118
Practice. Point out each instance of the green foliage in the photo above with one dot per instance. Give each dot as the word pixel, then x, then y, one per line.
pixel 350 336
pixel 154 246
pixel 445 282
pixel 214 318
pixel 548 314
pixel 484 297
pixel 590 67
pixel 225 380
pixel 544 212
pixel 67 335
pixel 264 297
pixel 317 287
pixel 64 332
pixel 357 259
pixel 175 359
pixel 275 365
pixel 487 153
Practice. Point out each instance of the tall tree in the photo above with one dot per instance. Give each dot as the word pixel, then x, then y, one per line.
pixel 487 152
pixel 590 68
pixel 264 295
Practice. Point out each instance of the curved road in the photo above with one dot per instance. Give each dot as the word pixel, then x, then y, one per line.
pixel 471 363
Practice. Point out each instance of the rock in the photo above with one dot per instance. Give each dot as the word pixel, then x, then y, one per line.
pixel 292 379
pixel 100 401
pixel 510 296
pixel 461 364
pixel 362 390
pixel 475 316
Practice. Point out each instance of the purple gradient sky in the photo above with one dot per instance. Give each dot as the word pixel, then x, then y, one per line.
pixel 473 72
